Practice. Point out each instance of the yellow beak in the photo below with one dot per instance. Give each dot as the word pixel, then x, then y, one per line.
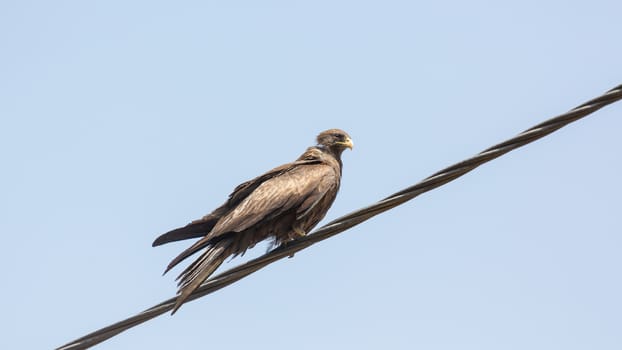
pixel 347 143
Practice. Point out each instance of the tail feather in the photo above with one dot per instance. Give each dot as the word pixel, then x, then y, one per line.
pixel 198 245
pixel 197 228
pixel 192 277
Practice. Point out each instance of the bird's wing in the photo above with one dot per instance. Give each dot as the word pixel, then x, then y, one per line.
pixel 301 188
pixel 204 225
pixel 311 156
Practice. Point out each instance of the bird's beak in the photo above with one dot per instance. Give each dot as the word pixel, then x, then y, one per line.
pixel 347 143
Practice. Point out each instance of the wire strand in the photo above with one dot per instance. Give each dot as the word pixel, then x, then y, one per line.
pixel 354 218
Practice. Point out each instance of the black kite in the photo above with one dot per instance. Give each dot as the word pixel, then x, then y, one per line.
pixel 282 204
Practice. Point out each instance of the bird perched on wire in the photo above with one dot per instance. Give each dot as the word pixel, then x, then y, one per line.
pixel 281 205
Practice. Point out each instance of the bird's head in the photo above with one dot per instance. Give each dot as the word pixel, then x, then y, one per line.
pixel 335 140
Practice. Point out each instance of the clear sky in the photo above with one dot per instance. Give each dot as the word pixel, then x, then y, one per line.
pixel 122 120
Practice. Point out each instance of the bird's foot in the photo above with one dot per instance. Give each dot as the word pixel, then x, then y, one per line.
pixel 298 233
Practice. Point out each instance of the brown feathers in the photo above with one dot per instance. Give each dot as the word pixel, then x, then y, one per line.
pixel 281 204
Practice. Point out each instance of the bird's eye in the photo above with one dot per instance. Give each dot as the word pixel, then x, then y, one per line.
pixel 338 136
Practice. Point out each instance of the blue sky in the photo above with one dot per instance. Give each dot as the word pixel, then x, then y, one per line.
pixel 123 120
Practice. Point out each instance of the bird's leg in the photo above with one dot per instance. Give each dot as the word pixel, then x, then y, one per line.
pixel 298 233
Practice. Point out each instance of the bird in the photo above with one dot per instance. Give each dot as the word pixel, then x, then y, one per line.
pixel 280 205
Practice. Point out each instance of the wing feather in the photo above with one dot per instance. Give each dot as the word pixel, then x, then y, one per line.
pixel 301 188
pixel 264 197
pixel 203 226
pixel 327 184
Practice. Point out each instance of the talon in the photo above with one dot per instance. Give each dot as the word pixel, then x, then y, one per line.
pixel 299 232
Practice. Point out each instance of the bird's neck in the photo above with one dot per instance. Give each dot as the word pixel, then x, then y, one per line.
pixel 334 152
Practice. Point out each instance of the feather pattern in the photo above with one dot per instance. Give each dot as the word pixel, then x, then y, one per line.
pixel 281 204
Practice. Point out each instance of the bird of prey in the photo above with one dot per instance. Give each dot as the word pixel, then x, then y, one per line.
pixel 281 205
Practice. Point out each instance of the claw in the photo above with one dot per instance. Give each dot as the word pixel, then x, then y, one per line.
pixel 298 233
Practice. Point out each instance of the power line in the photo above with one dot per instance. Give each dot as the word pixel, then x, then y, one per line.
pixel 345 222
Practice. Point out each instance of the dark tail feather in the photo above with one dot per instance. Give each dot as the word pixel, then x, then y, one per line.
pixel 198 245
pixel 194 229
pixel 192 277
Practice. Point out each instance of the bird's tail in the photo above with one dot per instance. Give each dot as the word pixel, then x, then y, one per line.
pixel 197 272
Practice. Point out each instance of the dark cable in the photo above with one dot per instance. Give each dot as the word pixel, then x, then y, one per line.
pixel 345 222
